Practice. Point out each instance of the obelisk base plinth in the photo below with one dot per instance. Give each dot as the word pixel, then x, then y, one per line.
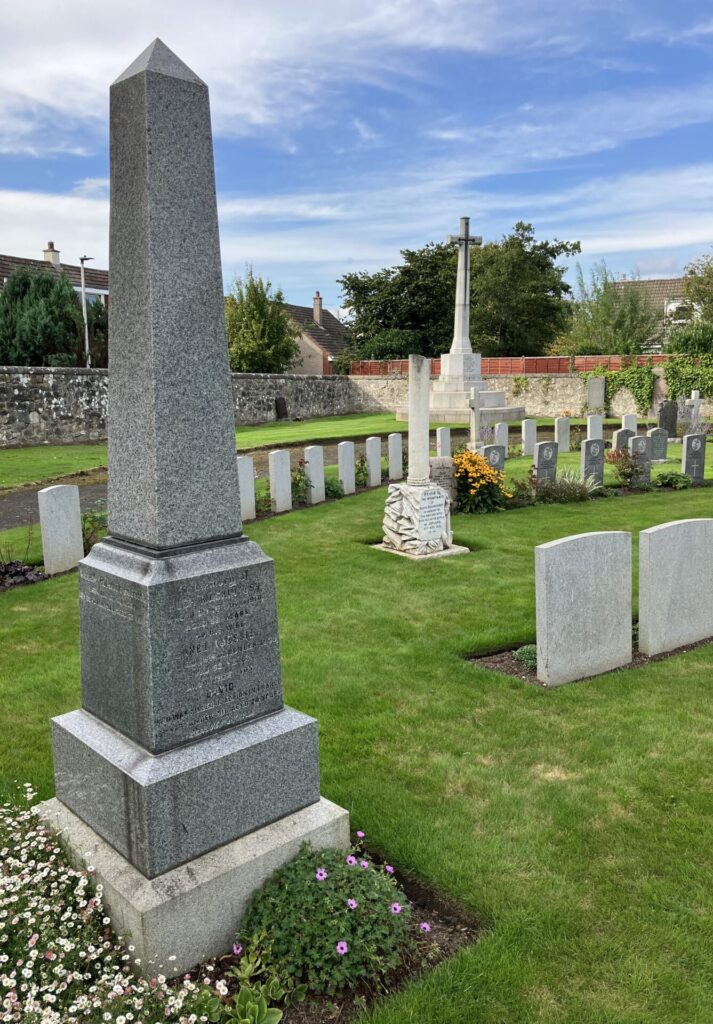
pixel 191 913
pixel 417 520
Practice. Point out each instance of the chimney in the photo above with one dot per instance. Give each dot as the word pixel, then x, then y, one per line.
pixel 317 309
pixel 51 254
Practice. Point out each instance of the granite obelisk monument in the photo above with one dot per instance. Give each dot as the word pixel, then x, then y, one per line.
pixel 184 777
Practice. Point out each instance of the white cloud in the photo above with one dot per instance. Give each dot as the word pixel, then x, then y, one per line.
pixel 268 64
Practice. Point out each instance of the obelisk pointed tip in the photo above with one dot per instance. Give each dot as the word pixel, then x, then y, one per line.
pixel 158 59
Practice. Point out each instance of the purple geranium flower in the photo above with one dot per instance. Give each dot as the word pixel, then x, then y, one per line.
pixel 342 948
pixel 364 864
pixel 395 908
pixel 351 860
pixel 320 874
pixel 388 869
pixel 360 835
pixel 237 950
pixel 352 904
pixel 425 926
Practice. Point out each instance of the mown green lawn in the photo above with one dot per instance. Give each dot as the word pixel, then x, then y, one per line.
pixel 20 466
pixel 576 822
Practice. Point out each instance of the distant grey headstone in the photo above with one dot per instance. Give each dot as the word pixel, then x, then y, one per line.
pixel 620 439
pixel 578 580
pixel 373 462
pixel 595 392
pixel 443 474
pixel 630 422
pixel 395 448
pixel 675 585
pixel 346 466
pixel 61 528
pixel 443 442
pixel 659 444
pixel 545 461
pixel 314 471
pixel 592 460
pixel 694 457
pixel 562 433
pixel 495 454
pixel 281 408
pixel 668 417
pixel 640 450
pixel 246 486
pixel 529 436
pixel 500 436
pixel 595 427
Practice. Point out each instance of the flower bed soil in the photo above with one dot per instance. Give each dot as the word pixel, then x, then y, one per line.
pixel 507 664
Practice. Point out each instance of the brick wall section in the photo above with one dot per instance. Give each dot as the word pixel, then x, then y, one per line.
pixel 68 405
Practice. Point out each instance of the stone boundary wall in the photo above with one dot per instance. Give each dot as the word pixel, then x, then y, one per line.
pixel 64 405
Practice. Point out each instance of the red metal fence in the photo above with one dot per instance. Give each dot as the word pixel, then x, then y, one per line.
pixel 510 366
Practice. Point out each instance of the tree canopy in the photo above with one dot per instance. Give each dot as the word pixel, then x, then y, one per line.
pixel 518 299
pixel 262 338
pixel 608 319
pixel 41 322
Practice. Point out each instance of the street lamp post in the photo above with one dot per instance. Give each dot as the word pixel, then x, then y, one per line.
pixel 87 356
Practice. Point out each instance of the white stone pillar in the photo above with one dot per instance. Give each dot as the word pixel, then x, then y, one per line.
pixel 345 466
pixel 500 436
pixel 595 427
pixel 246 486
pixel 396 456
pixel 529 436
pixel 562 433
pixel 419 379
pixel 314 471
pixel 280 481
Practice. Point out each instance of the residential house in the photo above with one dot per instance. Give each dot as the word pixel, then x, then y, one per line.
pixel 96 281
pixel 322 337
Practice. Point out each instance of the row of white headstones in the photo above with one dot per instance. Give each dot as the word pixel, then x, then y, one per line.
pixel 60 516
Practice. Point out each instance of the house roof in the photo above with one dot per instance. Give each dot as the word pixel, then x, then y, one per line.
pixel 658 291
pixel 94 279
pixel 330 335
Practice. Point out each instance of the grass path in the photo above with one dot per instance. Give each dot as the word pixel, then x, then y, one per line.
pixel 576 822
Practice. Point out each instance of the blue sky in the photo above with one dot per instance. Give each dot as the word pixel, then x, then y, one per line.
pixel 346 131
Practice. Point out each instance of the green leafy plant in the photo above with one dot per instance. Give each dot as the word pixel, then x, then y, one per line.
pixel 527 656
pixel 519 386
pixel 638 380
pixel 684 374
pixel 94 524
pixel 263 505
pixel 673 480
pixel 248 1006
pixel 301 486
pixel 331 921
pixel 626 470
pixel 333 488
pixel 360 471
pixel 566 488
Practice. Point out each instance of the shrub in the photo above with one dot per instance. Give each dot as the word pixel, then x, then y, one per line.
pixel 263 504
pixel 627 472
pixel 527 656
pixel 566 488
pixel 479 487
pixel 333 488
pixel 523 492
pixel 300 484
pixel 360 471
pixel 675 481
pixel 94 524
pixel 330 921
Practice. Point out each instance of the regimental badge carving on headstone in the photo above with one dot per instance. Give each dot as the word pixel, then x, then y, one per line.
pixel 546 461
pixel 495 454
pixel 592 460
pixel 640 451
pixel 694 457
